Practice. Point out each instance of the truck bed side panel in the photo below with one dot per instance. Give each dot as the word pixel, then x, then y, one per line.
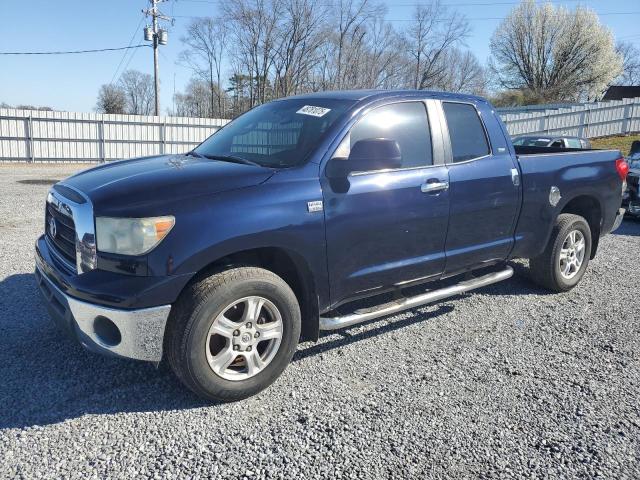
pixel 590 173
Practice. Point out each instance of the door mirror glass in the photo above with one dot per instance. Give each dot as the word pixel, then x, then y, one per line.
pixel 375 154
pixel 367 155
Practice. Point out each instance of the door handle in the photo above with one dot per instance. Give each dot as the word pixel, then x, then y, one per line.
pixel 434 187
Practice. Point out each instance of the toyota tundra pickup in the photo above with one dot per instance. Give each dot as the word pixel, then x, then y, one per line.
pixel 312 213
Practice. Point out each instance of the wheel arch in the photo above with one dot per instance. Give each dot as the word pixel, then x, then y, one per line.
pixel 288 265
pixel 590 208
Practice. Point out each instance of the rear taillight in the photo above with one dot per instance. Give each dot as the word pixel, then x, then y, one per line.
pixel 622 167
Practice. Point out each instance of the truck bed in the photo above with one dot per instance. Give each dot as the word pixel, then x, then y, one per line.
pixel 586 174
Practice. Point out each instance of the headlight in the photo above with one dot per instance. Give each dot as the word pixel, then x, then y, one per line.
pixel 131 236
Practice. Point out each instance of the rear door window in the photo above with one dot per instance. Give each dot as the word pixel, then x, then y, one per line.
pixel 468 138
pixel 573 143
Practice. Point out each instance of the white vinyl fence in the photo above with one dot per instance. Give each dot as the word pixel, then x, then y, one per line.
pixel 599 119
pixel 43 136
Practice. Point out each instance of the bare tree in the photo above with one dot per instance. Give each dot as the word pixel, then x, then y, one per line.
pixel 301 35
pixel 555 53
pixel 378 64
pixel 138 91
pixel 277 48
pixel 196 99
pixel 433 31
pixel 28 107
pixel 206 45
pixel 254 27
pixel 111 99
pixel 460 71
pixel 350 29
pixel 630 64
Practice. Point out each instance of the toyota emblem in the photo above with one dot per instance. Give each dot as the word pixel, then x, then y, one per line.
pixel 53 228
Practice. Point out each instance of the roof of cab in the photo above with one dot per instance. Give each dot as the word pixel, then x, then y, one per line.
pixel 359 95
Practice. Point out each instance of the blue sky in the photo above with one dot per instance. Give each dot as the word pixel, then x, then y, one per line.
pixel 71 82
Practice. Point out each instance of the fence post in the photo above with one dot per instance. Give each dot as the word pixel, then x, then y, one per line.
pixel 30 152
pixel 587 119
pixel 103 152
pixel 546 121
pixel 163 136
pixel 627 118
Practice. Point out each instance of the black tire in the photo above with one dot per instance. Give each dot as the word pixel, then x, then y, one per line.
pixel 193 314
pixel 545 269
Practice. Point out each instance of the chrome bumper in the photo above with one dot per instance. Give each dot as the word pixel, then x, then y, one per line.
pixel 136 334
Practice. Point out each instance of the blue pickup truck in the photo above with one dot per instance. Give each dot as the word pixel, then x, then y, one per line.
pixel 311 213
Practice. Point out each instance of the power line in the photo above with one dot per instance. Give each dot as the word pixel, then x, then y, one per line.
pixel 126 65
pixel 133 37
pixel 452 4
pixel 502 18
pixel 70 52
pixel 467 18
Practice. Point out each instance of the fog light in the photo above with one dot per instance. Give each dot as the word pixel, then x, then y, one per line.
pixel 107 332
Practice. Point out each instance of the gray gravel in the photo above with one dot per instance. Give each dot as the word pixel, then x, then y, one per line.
pixel 507 382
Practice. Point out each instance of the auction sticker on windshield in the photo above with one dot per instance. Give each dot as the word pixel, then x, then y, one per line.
pixel 313 111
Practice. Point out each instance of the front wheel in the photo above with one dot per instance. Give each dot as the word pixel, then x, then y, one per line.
pixel 563 263
pixel 232 334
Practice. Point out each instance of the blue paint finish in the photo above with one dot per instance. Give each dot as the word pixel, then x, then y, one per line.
pixel 484 207
pixel 151 185
pixel 382 230
pixel 377 230
pixel 484 202
pixel 591 174
pixel 111 289
pixel 272 214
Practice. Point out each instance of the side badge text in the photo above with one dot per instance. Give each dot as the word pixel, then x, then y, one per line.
pixel 315 206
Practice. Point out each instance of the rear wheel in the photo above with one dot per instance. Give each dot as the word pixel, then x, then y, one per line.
pixel 232 334
pixel 563 263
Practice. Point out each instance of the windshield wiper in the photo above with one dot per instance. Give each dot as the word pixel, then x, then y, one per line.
pixel 231 158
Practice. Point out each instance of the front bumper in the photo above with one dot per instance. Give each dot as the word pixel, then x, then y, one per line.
pixel 136 334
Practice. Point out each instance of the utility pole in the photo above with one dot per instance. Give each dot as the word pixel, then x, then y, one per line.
pixel 159 37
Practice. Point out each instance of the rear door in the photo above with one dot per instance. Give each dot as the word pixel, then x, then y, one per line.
pixel 386 227
pixel 484 190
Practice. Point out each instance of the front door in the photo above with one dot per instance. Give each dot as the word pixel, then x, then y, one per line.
pixel 387 227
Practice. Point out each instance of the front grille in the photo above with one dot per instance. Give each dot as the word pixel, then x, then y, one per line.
pixel 64 242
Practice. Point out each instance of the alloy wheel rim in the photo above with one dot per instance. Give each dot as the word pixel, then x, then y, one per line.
pixel 572 254
pixel 244 338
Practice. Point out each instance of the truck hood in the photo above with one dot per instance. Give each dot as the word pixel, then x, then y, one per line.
pixel 141 182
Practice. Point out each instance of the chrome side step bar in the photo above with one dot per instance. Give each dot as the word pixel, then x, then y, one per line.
pixel 334 323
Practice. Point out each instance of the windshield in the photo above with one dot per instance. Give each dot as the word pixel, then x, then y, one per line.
pixel 277 134
pixel 531 141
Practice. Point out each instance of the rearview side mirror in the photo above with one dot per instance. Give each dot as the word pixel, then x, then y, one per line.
pixel 367 155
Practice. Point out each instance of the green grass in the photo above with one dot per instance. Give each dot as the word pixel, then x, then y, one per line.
pixel 622 142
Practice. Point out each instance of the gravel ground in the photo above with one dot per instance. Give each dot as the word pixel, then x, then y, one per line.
pixel 507 382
